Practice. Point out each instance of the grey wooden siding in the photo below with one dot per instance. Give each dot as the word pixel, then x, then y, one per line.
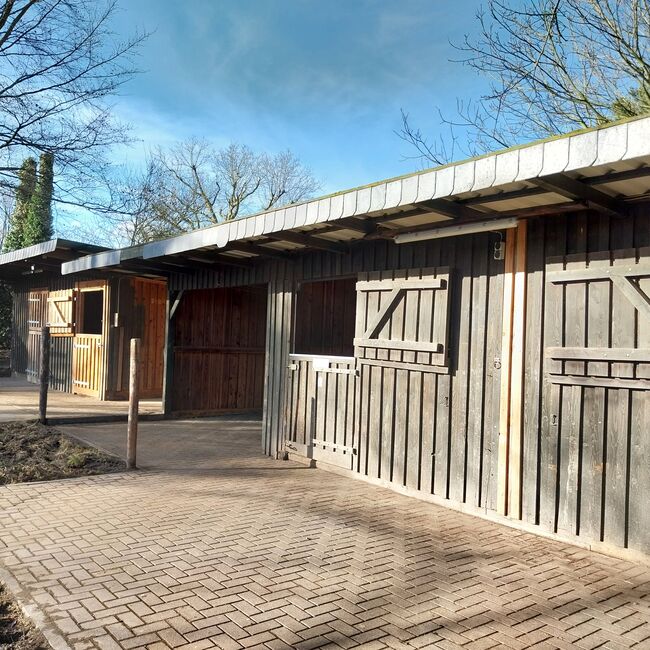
pixel 586 467
pixel 585 473
pixel 19 338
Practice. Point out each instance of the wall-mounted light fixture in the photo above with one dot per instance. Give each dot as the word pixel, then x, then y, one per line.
pixel 454 231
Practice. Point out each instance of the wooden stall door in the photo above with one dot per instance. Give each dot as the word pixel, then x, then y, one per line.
pixel 36 320
pixel 150 298
pixel 219 350
pixel 404 385
pixel 88 367
pixel 596 404
pixel 319 411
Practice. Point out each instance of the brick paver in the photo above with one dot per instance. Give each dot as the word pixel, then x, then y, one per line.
pixel 239 551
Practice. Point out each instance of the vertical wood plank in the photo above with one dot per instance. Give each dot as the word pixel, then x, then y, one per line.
pixel 515 444
pixel 506 357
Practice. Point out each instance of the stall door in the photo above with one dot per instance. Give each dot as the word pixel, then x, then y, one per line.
pixel 88 358
pixel 596 409
pixel 320 412
pixel 37 319
pixel 401 354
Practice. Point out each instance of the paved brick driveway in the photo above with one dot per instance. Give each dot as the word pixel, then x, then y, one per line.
pixel 224 548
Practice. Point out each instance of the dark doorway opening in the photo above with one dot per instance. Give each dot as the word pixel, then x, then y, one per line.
pixel 92 310
pixel 325 317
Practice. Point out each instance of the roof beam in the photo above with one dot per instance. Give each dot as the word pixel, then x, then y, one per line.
pixel 310 241
pixel 256 249
pixel 614 177
pixel 451 209
pixel 575 190
pixel 364 226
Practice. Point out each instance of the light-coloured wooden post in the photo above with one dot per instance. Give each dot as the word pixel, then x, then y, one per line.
pixel 132 426
pixel 44 375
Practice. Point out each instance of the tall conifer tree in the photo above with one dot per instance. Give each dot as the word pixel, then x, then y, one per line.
pixel 24 193
pixel 38 224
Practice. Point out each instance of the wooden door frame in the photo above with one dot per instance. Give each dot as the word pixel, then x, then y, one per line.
pixel 80 288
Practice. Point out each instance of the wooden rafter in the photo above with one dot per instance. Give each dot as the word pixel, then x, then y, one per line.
pixel 364 226
pixel 576 190
pixel 450 209
pixel 310 241
pixel 257 249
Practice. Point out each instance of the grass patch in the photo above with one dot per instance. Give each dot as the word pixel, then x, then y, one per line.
pixel 30 451
pixel 16 631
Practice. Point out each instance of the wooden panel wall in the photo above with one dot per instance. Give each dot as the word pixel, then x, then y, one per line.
pixel 19 329
pixel 586 448
pixel 219 338
pixel 561 461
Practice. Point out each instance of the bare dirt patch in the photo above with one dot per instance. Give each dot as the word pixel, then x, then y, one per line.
pixel 32 452
pixel 16 631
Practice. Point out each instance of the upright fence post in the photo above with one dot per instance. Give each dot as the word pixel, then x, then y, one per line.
pixel 44 375
pixel 132 426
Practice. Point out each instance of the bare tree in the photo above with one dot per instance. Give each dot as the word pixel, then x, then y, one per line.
pixel 283 179
pixel 192 185
pixel 554 65
pixel 59 64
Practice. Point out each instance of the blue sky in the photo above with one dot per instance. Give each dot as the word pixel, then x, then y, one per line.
pixel 325 78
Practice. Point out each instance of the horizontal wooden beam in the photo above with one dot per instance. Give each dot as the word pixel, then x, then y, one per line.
pixel 310 241
pixel 405 365
pixel 363 226
pixel 389 285
pixel 599 273
pixel 636 355
pixel 257 249
pixel 606 382
pixel 409 346
pixel 451 209
pixel 576 190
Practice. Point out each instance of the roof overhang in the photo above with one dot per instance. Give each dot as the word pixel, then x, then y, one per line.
pixel 604 168
pixel 46 257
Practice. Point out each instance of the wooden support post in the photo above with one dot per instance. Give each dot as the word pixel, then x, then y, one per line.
pixel 506 357
pixel 168 354
pixel 132 426
pixel 512 374
pixel 517 375
pixel 44 375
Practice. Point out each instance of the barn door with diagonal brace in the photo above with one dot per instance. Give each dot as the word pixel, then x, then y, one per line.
pixel 401 351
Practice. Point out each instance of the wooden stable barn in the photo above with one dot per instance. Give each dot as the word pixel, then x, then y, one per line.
pixel 91 321
pixel 477 335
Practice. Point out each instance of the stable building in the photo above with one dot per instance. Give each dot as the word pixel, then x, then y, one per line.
pixel 91 319
pixel 477 334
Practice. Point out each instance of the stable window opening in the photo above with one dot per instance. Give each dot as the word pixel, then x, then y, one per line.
pixel 92 309
pixel 325 318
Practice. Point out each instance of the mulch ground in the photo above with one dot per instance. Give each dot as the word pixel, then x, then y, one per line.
pixel 16 631
pixel 32 452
